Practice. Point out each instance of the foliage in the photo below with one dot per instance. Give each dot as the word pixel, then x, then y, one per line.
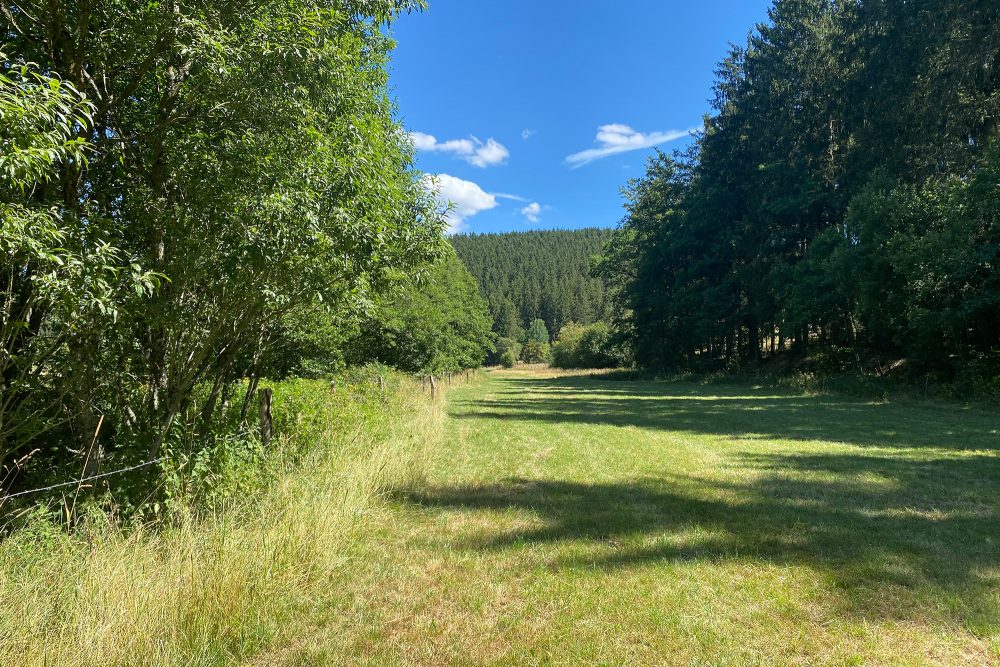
pixel 243 173
pixel 584 346
pixel 533 352
pixel 438 324
pixel 537 332
pixel 536 275
pixel 310 342
pixel 63 280
pixel 820 208
pixel 235 176
pixel 508 352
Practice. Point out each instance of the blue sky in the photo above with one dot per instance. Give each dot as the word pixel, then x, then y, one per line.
pixel 533 114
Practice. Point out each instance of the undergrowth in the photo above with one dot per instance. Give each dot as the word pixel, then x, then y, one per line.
pixel 242 558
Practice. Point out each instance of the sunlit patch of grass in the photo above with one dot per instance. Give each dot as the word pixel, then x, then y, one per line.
pixel 574 520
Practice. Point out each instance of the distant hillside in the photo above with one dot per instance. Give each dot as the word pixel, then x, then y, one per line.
pixel 537 274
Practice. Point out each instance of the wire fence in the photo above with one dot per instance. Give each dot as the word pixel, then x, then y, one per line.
pixel 82 480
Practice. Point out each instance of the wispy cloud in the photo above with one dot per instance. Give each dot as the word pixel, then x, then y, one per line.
pixel 532 212
pixel 526 133
pixel 504 195
pixel 617 138
pixel 465 198
pixel 472 150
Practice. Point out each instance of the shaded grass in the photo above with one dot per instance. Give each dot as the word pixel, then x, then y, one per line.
pixel 575 520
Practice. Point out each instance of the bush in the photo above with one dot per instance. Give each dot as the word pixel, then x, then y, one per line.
pixel 534 352
pixel 508 352
pixel 582 346
pixel 508 359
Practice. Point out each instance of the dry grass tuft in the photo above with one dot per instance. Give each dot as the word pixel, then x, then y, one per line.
pixel 209 592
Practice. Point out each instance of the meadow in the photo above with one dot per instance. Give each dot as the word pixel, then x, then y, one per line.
pixel 536 517
pixel 217 582
pixel 577 520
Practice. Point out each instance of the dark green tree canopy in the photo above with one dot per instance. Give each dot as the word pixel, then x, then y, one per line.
pixel 841 196
pixel 536 275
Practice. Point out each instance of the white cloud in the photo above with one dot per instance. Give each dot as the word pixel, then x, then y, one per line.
pixel 526 133
pixel 532 211
pixel 472 150
pixel 466 198
pixel 504 195
pixel 427 142
pixel 489 154
pixel 617 138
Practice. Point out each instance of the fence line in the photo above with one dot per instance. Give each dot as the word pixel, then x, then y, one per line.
pixel 138 465
pixel 84 479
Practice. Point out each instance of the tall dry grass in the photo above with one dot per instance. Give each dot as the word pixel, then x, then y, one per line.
pixel 210 591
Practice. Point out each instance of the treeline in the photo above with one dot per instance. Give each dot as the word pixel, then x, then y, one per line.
pixel 195 196
pixel 843 196
pixel 532 275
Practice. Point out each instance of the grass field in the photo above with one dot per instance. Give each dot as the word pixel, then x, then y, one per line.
pixel 548 519
pixel 570 520
pixel 249 577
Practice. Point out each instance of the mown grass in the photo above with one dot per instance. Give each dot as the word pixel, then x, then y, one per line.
pixel 252 576
pixel 553 519
pixel 574 520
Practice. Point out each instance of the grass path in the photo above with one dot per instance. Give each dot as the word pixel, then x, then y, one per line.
pixel 571 520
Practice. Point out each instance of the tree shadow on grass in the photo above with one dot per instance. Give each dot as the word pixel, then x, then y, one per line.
pixel 884 530
pixel 736 412
pixel 921 522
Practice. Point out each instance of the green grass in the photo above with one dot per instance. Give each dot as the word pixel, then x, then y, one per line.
pixel 551 519
pixel 573 520
pixel 251 576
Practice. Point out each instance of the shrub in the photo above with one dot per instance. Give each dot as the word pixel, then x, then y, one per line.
pixel 534 352
pixel 582 346
pixel 508 352
pixel 508 359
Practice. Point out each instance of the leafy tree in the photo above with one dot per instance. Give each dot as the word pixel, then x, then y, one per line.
pixel 585 346
pixel 533 352
pixel 433 325
pixel 508 352
pixel 243 163
pixel 63 281
pixel 564 350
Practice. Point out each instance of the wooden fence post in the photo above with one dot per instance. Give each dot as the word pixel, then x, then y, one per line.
pixel 264 413
pixel 381 384
pixel 433 388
